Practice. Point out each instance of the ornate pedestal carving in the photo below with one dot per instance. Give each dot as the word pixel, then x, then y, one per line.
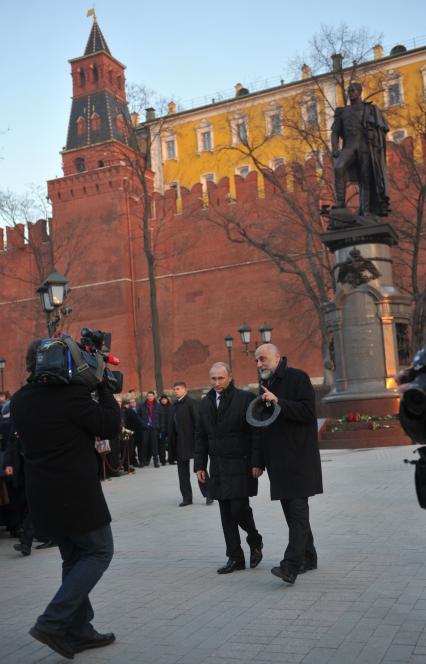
pixel 362 320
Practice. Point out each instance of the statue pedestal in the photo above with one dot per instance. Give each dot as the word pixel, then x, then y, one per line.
pixel 367 321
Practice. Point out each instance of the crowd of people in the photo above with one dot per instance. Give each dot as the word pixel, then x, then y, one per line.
pixel 50 451
pixel 153 431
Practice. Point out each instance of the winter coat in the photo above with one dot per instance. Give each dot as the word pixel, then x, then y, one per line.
pixel 414 427
pixel 182 428
pixel 290 444
pixel 57 425
pixel 143 414
pixel 224 435
pixel 166 412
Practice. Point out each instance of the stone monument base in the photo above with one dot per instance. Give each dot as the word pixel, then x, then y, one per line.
pixel 340 405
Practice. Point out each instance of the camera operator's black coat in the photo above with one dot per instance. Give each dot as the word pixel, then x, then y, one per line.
pixel 224 434
pixel 290 444
pixel 413 425
pixel 183 423
pixel 57 425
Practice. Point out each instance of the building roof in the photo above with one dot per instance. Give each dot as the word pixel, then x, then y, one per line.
pixel 96 41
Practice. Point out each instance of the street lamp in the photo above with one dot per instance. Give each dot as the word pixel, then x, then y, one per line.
pixel 2 366
pixel 53 292
pixel 245 334
pixel 229 343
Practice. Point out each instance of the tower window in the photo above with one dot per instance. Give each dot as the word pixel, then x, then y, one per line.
pixel 82 77
pixel 95 122
pixel 95 74
pixel 100 163
pixel 120 123
pixel 80 165
pixel 81 126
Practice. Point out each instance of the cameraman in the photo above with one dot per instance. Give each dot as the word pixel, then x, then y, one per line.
pixel 57 425
pixel 412 409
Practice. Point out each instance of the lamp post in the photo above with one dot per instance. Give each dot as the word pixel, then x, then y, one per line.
pixel 245 333
pixel 2 366
pixel 229 343
pixel 53 292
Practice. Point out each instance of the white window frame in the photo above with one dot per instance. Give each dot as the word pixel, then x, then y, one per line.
pixel 392 79
pixel 273 165
pixel 207 177
pixel 398 131
pixel 309 100
pixel 174 184
pixel 269 114
pixel 167 138
pixel 204 128
pixel 236 121
pixel 241 168
pixel 423 74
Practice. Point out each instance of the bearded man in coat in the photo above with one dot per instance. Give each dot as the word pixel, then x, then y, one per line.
pixel 290 450
pixel 224 435
pixel 57 425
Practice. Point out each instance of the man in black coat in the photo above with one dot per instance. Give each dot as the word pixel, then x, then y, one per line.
pixel 224 435
pixel 291 455
pixel 149 415
pixel 182 438
pixel 57 425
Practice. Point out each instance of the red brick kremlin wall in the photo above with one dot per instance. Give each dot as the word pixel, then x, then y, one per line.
pixel 207 285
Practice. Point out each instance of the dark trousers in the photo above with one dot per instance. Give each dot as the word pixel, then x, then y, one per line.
pixel 233 513
pixel 185 480
pixel 162 439
pixel 27 535
pixel 84 559
pixel 300 538
pixel 150 444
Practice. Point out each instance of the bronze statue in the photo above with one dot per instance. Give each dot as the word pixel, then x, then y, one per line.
pixel 362 129
pixel 356 270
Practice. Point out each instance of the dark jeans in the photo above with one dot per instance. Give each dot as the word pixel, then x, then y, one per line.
pixel 150 444
pixel 84 559
pixel 300 538
pixel 234 513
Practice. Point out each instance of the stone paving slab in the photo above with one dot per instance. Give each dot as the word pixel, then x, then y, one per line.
pixel 366 603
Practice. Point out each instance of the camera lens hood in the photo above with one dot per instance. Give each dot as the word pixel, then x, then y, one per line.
pixel 262 413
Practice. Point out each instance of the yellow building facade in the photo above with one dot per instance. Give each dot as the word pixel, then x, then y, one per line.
pixel 275 126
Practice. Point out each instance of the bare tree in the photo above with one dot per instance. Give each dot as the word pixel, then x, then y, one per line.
pixel 407 177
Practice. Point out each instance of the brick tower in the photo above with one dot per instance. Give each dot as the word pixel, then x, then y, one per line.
pixel 93 223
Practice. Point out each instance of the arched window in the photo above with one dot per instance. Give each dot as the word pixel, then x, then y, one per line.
pixel 120 123
pixel 100 163
pixel 81 126
pixel 95 122
pixel 95 74
pixel 82 76
pixel 80 164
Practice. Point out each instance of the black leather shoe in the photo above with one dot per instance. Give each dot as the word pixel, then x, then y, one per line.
pixel 47 545
pixel 184 503
pixel 231 566
pixel 256 556
pixel 285 574
pixel 95 641
pixel 25 549
pixel 209 501
pixel 307 566
pixel 56 643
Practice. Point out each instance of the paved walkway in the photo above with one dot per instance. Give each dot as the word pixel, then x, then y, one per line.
pixel 366 603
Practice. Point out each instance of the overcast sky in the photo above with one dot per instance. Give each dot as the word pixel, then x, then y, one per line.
pixel 184 50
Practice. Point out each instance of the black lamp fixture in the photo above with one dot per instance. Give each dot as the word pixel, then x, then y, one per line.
pixel 2 367
pixel 53 292
pixel 229 342
pixel 245 333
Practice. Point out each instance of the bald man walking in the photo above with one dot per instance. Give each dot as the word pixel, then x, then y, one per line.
pixel 291 455
pixel 224 434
